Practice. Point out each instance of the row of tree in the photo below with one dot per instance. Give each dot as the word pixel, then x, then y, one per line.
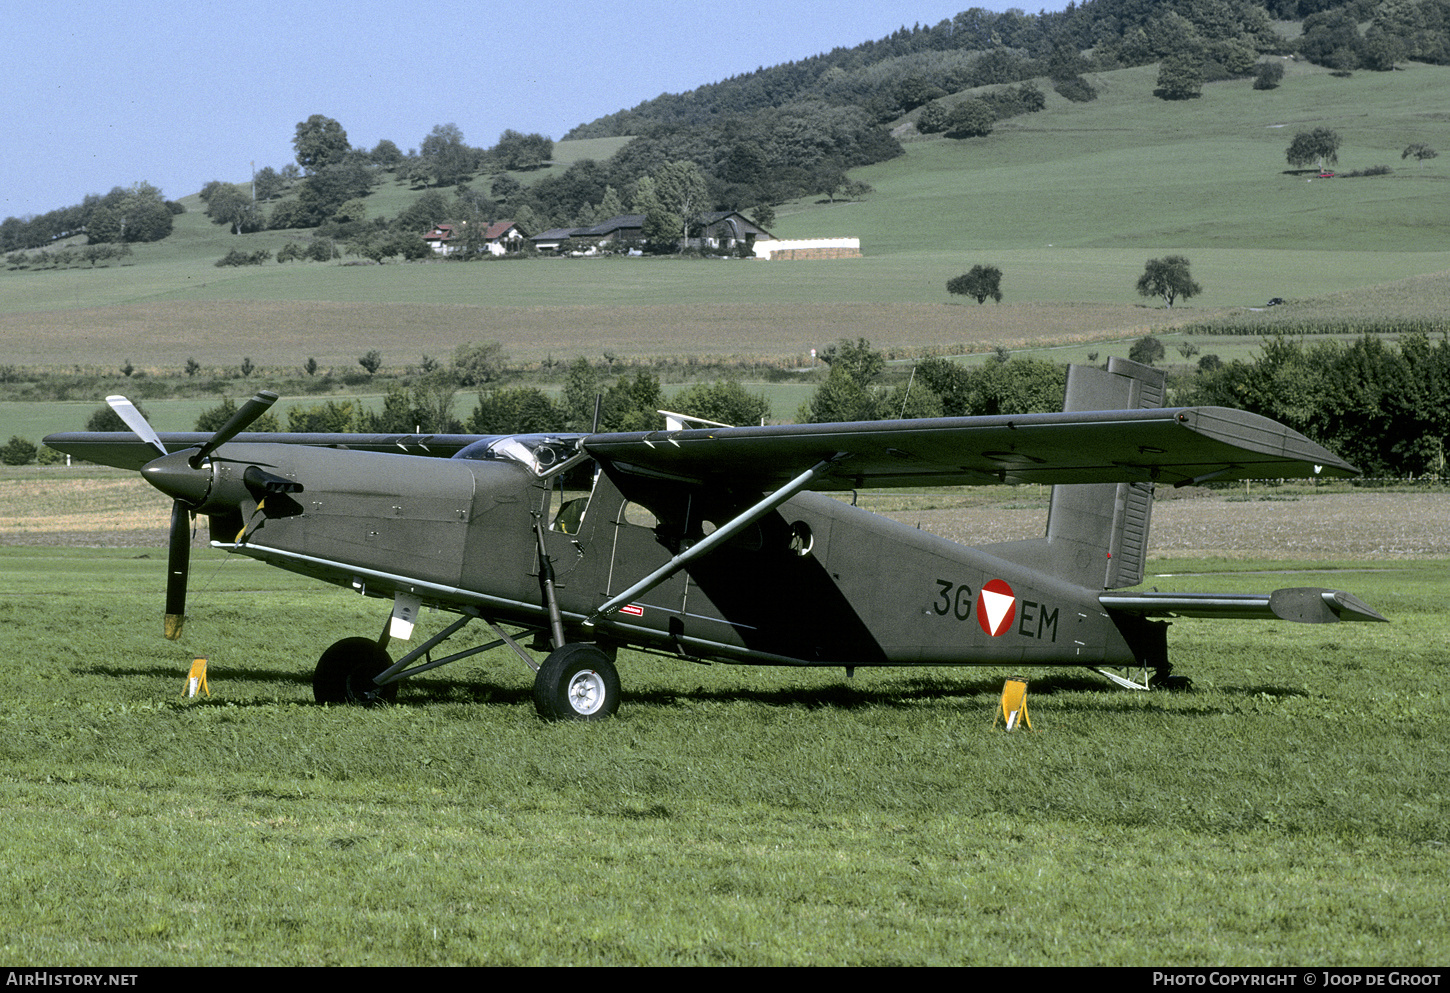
pixel 1169 278
pixel 127 214
pixel 628 403
pixel 1382 406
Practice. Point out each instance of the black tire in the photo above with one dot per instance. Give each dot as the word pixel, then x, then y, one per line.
pixel 345 673
pixel 1172 684
pixel 577 683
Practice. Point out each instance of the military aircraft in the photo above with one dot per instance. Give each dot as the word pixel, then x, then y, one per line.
pixel 711 543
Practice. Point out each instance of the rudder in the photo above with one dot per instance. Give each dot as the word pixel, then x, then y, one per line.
pixel 1097 533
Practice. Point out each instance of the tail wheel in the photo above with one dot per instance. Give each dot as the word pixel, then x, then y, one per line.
pixel 576 683
pixel 1163 680
pixel 345 673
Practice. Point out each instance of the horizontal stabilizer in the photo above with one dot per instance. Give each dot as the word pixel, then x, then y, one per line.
pixel 1303 604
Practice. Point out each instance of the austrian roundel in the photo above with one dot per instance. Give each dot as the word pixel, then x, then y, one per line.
pixel 996 607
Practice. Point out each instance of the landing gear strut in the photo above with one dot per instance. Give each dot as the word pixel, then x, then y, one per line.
pixel 1162 678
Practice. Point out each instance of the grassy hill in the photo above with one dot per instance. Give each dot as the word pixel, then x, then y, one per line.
pixel 1069 202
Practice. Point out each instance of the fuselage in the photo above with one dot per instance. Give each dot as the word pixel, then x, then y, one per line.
pixel 815 582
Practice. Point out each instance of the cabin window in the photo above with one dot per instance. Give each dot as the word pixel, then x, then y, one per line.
pixel 569 493
pixel 639 515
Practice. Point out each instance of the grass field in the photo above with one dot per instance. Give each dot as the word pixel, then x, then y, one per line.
pixel 1290 811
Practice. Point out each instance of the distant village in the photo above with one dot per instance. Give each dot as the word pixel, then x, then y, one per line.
pixel 724 232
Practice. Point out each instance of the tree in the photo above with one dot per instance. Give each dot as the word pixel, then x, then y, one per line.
pixel 581 386
pixel 846 395
pixel 1419 152
pixel 105 419
pixel 478 362
pixel 970 118
pixel 1268 75
pixel 268 183
pixel 682 191
pixel 633 404
pixel 319 141
pixel 1320 145
pixel 1146 350
pixel 525 410
pixel 661 228
pixel 1168 278
pixel 1179 78
pixel 18 451
pixel 385 155
pixel 522 152
pixel 445 157
pixel 933 119
pixel 331 186
pixel 371 362
pixel 840 398
pixel 724 401
pixel 859 361
pixel 1330 38
pixel 213 418
pixel 981 282
pixel 129 214
pixel 332 417
pixel 231 204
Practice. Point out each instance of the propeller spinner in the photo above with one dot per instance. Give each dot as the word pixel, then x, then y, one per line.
pixel 186 478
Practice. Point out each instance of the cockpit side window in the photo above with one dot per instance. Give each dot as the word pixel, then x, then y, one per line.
pixel 569 493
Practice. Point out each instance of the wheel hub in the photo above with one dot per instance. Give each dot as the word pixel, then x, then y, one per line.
pixel 586 692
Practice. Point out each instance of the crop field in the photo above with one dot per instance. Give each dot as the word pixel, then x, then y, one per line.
pixel 1289 811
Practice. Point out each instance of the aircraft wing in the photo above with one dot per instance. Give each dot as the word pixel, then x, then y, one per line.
pixel 1174 445
pixel 126 450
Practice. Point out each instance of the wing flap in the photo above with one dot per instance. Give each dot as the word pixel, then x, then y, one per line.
pixel 1175 445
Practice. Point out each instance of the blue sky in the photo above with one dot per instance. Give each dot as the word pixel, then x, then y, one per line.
pixel 177 94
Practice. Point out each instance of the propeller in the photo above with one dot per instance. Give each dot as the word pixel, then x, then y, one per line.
pixel 235 425
pixel 178 550
pixel 136 421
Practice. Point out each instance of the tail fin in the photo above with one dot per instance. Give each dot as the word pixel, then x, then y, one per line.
pixel 1097 533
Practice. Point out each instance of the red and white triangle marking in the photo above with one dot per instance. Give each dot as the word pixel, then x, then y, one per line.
pixel 996 607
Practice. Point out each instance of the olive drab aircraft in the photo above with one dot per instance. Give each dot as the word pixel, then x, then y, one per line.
pixel 722 544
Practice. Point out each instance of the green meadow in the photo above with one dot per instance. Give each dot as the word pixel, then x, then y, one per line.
pixel 1290 811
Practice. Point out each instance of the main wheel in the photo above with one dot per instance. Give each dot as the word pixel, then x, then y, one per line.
pixel 576 683
pixel 345 673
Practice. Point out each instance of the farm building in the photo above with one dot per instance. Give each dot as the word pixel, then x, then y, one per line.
pixel 717 231
pixel 498 238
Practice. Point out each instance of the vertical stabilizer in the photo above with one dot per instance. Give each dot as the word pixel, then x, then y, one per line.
pixel 1097 533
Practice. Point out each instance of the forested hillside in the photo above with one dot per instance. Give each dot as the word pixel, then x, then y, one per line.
pixel 1223 38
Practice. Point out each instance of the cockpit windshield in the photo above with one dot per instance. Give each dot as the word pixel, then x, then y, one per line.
pixel 542 454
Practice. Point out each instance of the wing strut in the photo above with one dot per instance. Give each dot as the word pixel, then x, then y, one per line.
pixel 720 535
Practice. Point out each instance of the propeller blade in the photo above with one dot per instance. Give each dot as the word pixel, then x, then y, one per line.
pixel 127 411
pixel 178 563
pixel 249 412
